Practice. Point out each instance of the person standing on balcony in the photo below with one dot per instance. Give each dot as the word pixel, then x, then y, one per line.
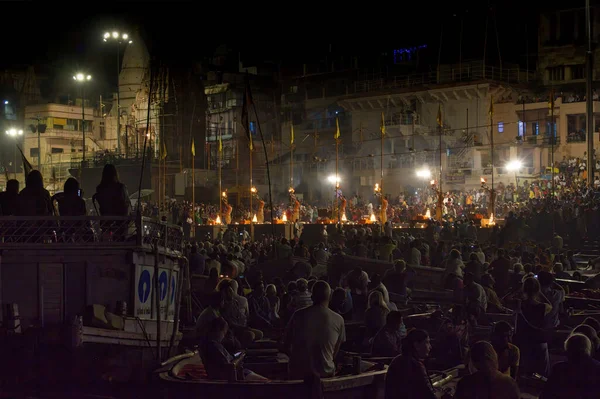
pixel 9 199
pixel 34 199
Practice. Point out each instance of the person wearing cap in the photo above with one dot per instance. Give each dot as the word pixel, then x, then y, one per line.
pixel 555 295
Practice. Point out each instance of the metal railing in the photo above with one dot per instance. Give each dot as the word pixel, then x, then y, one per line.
pixel 447 75
pixel 90 231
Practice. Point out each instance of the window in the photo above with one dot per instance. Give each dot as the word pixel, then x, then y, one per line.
pixel 556 73
pixel 33 152
pixel 56 150
pixel 577 72
pixel 522 128
pixel 293 89
pixel 500 127
pixel 535 128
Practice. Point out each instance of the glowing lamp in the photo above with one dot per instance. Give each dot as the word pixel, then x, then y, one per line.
pixel 284 218
pixel 491 222
pixel 291 190
pixel 432 182
pixel 373 219
pixel 253 190
pixel 224 194
pixel 254 219
pixel 428 214
pixel 483 181
pixel 218 220
pixel 344 219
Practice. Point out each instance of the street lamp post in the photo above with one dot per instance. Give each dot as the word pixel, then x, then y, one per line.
pixel 82 79
pixel 14 133
pixel 117 38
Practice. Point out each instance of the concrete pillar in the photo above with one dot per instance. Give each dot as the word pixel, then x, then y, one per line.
pixel 476 159
pixel 513 153
pixel 537 164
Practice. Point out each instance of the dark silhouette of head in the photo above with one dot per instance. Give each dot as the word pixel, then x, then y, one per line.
pixel 109 174
pixel 34 180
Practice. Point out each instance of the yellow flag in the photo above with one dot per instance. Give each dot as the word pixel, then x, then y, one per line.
pixel 220 144
pixel 250 145
pixel 337 129
pixel 439 116
pixel 291 134
pixel 491 110
pixel 551 102
pixel 382 125
pixel 193 148
pixel 163 151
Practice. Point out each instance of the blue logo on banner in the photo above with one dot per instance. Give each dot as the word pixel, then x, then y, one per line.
pixel 173 289
pixel 163 285
pixel 144 286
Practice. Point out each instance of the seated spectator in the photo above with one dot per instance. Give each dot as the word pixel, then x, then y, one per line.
pixel 595 324
pixel 9 199
pixel 302 298
pixel 111 194
pixel 589 332
pixel 341 303
pixel 34 199
pixel 388 341
pixel 218 362
pixel 261 314
pixel 486 381
pixel 70 201
pixel 475 298
pixel 494 305
pixel 235 311
pixel 578 377
pixel 376 313
pixel 273 299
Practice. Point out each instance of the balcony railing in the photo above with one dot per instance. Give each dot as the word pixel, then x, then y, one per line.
pixel 90 231
pixel 448 75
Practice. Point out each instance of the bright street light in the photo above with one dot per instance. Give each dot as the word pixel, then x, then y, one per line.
pixel 424 173
pixel 14 132
pixel 333 179
pixel 5 102
pixel 514 166
pixel 81 77
pixel 115 35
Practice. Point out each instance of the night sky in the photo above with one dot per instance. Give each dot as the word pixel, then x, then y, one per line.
pixel 59 39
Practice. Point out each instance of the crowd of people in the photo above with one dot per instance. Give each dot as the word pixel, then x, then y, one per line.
pixel 513 271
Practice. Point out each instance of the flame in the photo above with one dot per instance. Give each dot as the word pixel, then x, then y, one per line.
pixel 373 219
pixel 491 221
pixel 255 219
pixel 376 187
pixel 224 194
pixel 284 217
pixel 253 190
pixel 218 220
pixel 432 182
pixel 291 190
pixel 344 217
pixel 428 214
pixel 482 180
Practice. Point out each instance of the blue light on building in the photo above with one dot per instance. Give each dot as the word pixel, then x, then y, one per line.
pixel 407 53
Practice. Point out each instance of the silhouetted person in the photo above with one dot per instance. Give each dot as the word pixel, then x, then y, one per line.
pixel 34 199
pixel 10 198
pixel 69 201
pixel 111 194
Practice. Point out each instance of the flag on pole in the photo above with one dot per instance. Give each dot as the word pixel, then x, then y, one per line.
pixel 291 134
pixel 193 148
pixel 163 151
pixel 382 125
pixel 337 129
pixel 220 144
pixel 491 110
pixel 439 116
pixel 27 168
pixel 246 104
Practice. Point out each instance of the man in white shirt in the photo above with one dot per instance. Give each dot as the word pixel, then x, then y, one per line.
pixel 313 336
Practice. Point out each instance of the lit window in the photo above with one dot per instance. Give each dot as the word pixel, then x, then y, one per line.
pixel 522 128
pixel 500 127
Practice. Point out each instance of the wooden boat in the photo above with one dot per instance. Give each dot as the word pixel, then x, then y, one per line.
pixel 183 378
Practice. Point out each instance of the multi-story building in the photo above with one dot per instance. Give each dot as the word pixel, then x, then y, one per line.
pixel 225 93
pixel 62 142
